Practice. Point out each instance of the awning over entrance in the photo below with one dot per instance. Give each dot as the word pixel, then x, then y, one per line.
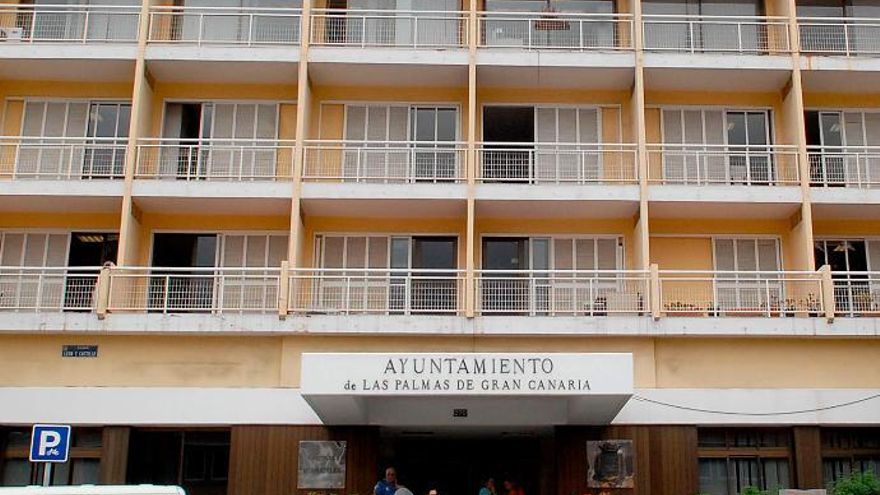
pixel 466 389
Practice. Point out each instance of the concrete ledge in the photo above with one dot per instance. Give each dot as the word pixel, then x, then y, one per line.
pixel 69 51
pixel 388 55
pixel 517 57
pixel 213 189
pixel 717 61
pixel 726 194
pixel 224 53
pixel 343 190
pixel 551 192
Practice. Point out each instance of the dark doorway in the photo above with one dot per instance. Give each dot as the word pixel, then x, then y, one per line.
pixel 509 134
pixel 434 291
pixel 458 466
pixel 505 285
pixel 196 460
pixel 183 290
pixel 90 250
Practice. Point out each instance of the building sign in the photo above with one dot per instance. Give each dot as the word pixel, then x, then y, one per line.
pixel 321 465
pixel 611 464
pixel 372 374
pixel 50 443
pixel 79 351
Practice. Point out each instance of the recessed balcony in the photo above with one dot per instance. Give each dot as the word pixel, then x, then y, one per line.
pixel 845 181
pixel 214 175
pixel 61 174
pixel 711 48
pixel 839 54
pixel 83 42
pixel 221 44
pixel 733 180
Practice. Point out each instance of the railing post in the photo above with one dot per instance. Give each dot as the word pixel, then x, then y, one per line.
pixel 827 285
pixel 654 286
pixel 102 291
pixel 284 290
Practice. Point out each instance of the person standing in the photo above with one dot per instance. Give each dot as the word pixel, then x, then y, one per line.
pixel 488 487
pixel 388 485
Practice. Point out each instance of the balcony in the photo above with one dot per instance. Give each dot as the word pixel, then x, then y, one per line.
pixel 842 36
pixel 857 294
pixel 384 292
pixel 194 290
pixel 224 45
pixel 84 42
pixel 47 290
pixel 214 175
pixel 850 166
pixel 389 28
pixel 563 293
pixel 742 294
pixel 557 30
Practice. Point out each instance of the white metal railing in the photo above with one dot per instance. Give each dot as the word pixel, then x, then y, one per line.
pixel 697 34
pixel 51 158
pixel 546 163
pixel 844 166
pixel 562 292
pixel 389 28
pixel 376 291
pixel 760 293
pixel 68 23
pixel 706 164
pixel 47 289
pixel 225 25
pixel 536 30
pixel 194 290
pixel 215 159
pixel 857 293
pixel 849 36
pixel 384 161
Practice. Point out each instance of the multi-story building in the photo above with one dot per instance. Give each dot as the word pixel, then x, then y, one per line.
pixel 465 238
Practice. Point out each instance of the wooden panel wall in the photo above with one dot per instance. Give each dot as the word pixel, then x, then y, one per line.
pixel 808 457
pixel 665 459
pixel 263 459
pixel 114 455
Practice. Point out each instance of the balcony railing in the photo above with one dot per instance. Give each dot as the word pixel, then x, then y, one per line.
pixel 705 164
pixel 850 166
pixel 69 23
pixel 848 36
pixel 62 158
pixel 377 291
pixel 857 293
pixel 557 163
pixel 714 34
pixel 194 290
pixel 389 28
pixel 562 293
pixel 215 159
pixel 764 294
pixel 223 25
pixel 47 289
pixel 384 161
pixel 568 31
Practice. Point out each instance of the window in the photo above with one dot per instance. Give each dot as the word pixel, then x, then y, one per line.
pixel 219 140
pixel 855 292
pixel 733 459
pixel 847 450
pixel 739 286
pixel 197 460
pixel 837 141
pixel 384 30
pixel 401 143
pixel 83 467
pixel 77 139
pixel 709 36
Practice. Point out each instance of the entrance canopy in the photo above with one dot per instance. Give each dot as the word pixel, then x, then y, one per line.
pixel 466 389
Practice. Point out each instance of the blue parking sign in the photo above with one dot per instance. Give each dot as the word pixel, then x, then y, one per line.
pixel 50 443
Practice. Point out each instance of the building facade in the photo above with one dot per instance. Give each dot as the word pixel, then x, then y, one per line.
pixel 467 239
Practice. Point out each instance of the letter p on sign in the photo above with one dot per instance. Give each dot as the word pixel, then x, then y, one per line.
pixel 50 443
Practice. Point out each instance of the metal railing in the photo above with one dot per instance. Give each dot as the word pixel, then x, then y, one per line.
pixel 47 289
pixel 376 291
pixel 844 166
pixel 69 23
pixel 389 28
pixel 848 36
pixel 194 290
pixel 549 163
pixel 384 161
pixel 215 159
pixel 857 293
pixel 225 25
pixel 706 164
pixel 50 158
pixel 557 30
pixel 713 34
pixel 759 293
pixel 562 292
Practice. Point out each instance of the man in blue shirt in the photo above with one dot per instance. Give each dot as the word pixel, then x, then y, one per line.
pixel 389 485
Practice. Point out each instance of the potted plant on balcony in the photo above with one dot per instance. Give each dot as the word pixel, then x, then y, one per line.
pixel 550 21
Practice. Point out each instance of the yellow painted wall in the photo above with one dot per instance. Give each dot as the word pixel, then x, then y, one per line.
pixel 851 228
pixel 682 253
pixel 73 221
pixel 865 100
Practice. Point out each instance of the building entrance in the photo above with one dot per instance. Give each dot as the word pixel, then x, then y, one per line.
pixel 458 464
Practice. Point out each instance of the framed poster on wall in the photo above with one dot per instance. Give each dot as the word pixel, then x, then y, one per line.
pixel 321 465
pixel 610 464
